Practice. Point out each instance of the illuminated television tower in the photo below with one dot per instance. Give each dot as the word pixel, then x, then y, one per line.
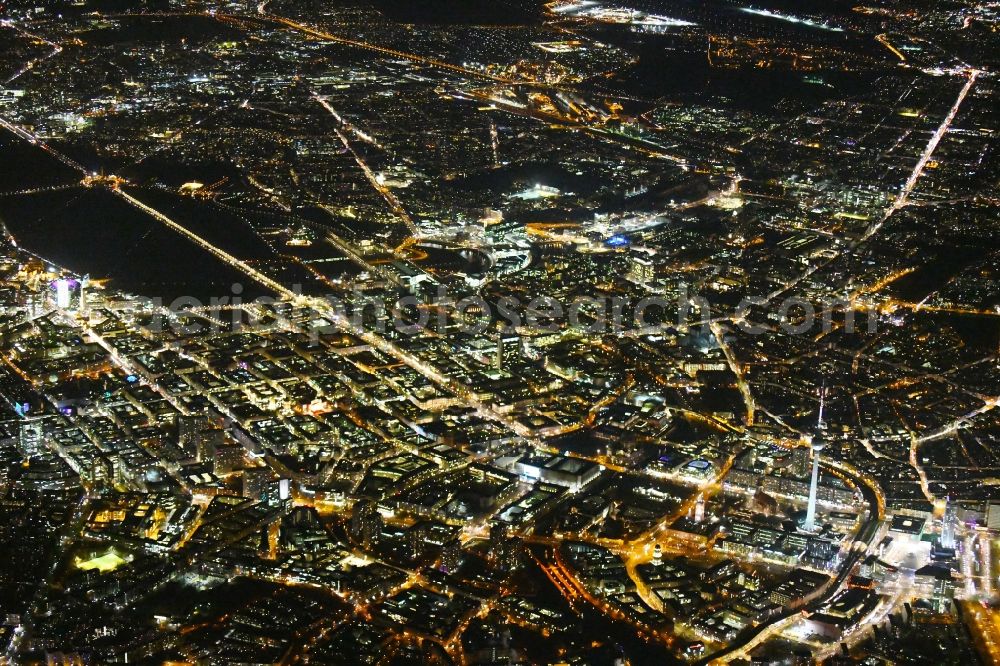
pixel 818 443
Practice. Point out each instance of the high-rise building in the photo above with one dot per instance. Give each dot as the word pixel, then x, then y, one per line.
pixel 64 293
pixel 83 293
pixel 993 516
pixel 366 522
pixel 253 480
pixel 800 462
pixel 948 525
pixel 418 540
pixel 452 556
pixel 641 269
pixel 260 483
pixel 207 443
pixel 228 458
pixel 506 549
pixel 189 427
pixel 507 345
pixel 31 438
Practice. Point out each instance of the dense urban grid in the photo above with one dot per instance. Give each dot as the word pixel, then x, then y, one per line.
pixel 499 332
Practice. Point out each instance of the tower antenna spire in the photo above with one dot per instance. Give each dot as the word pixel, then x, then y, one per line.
pixel 822 403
